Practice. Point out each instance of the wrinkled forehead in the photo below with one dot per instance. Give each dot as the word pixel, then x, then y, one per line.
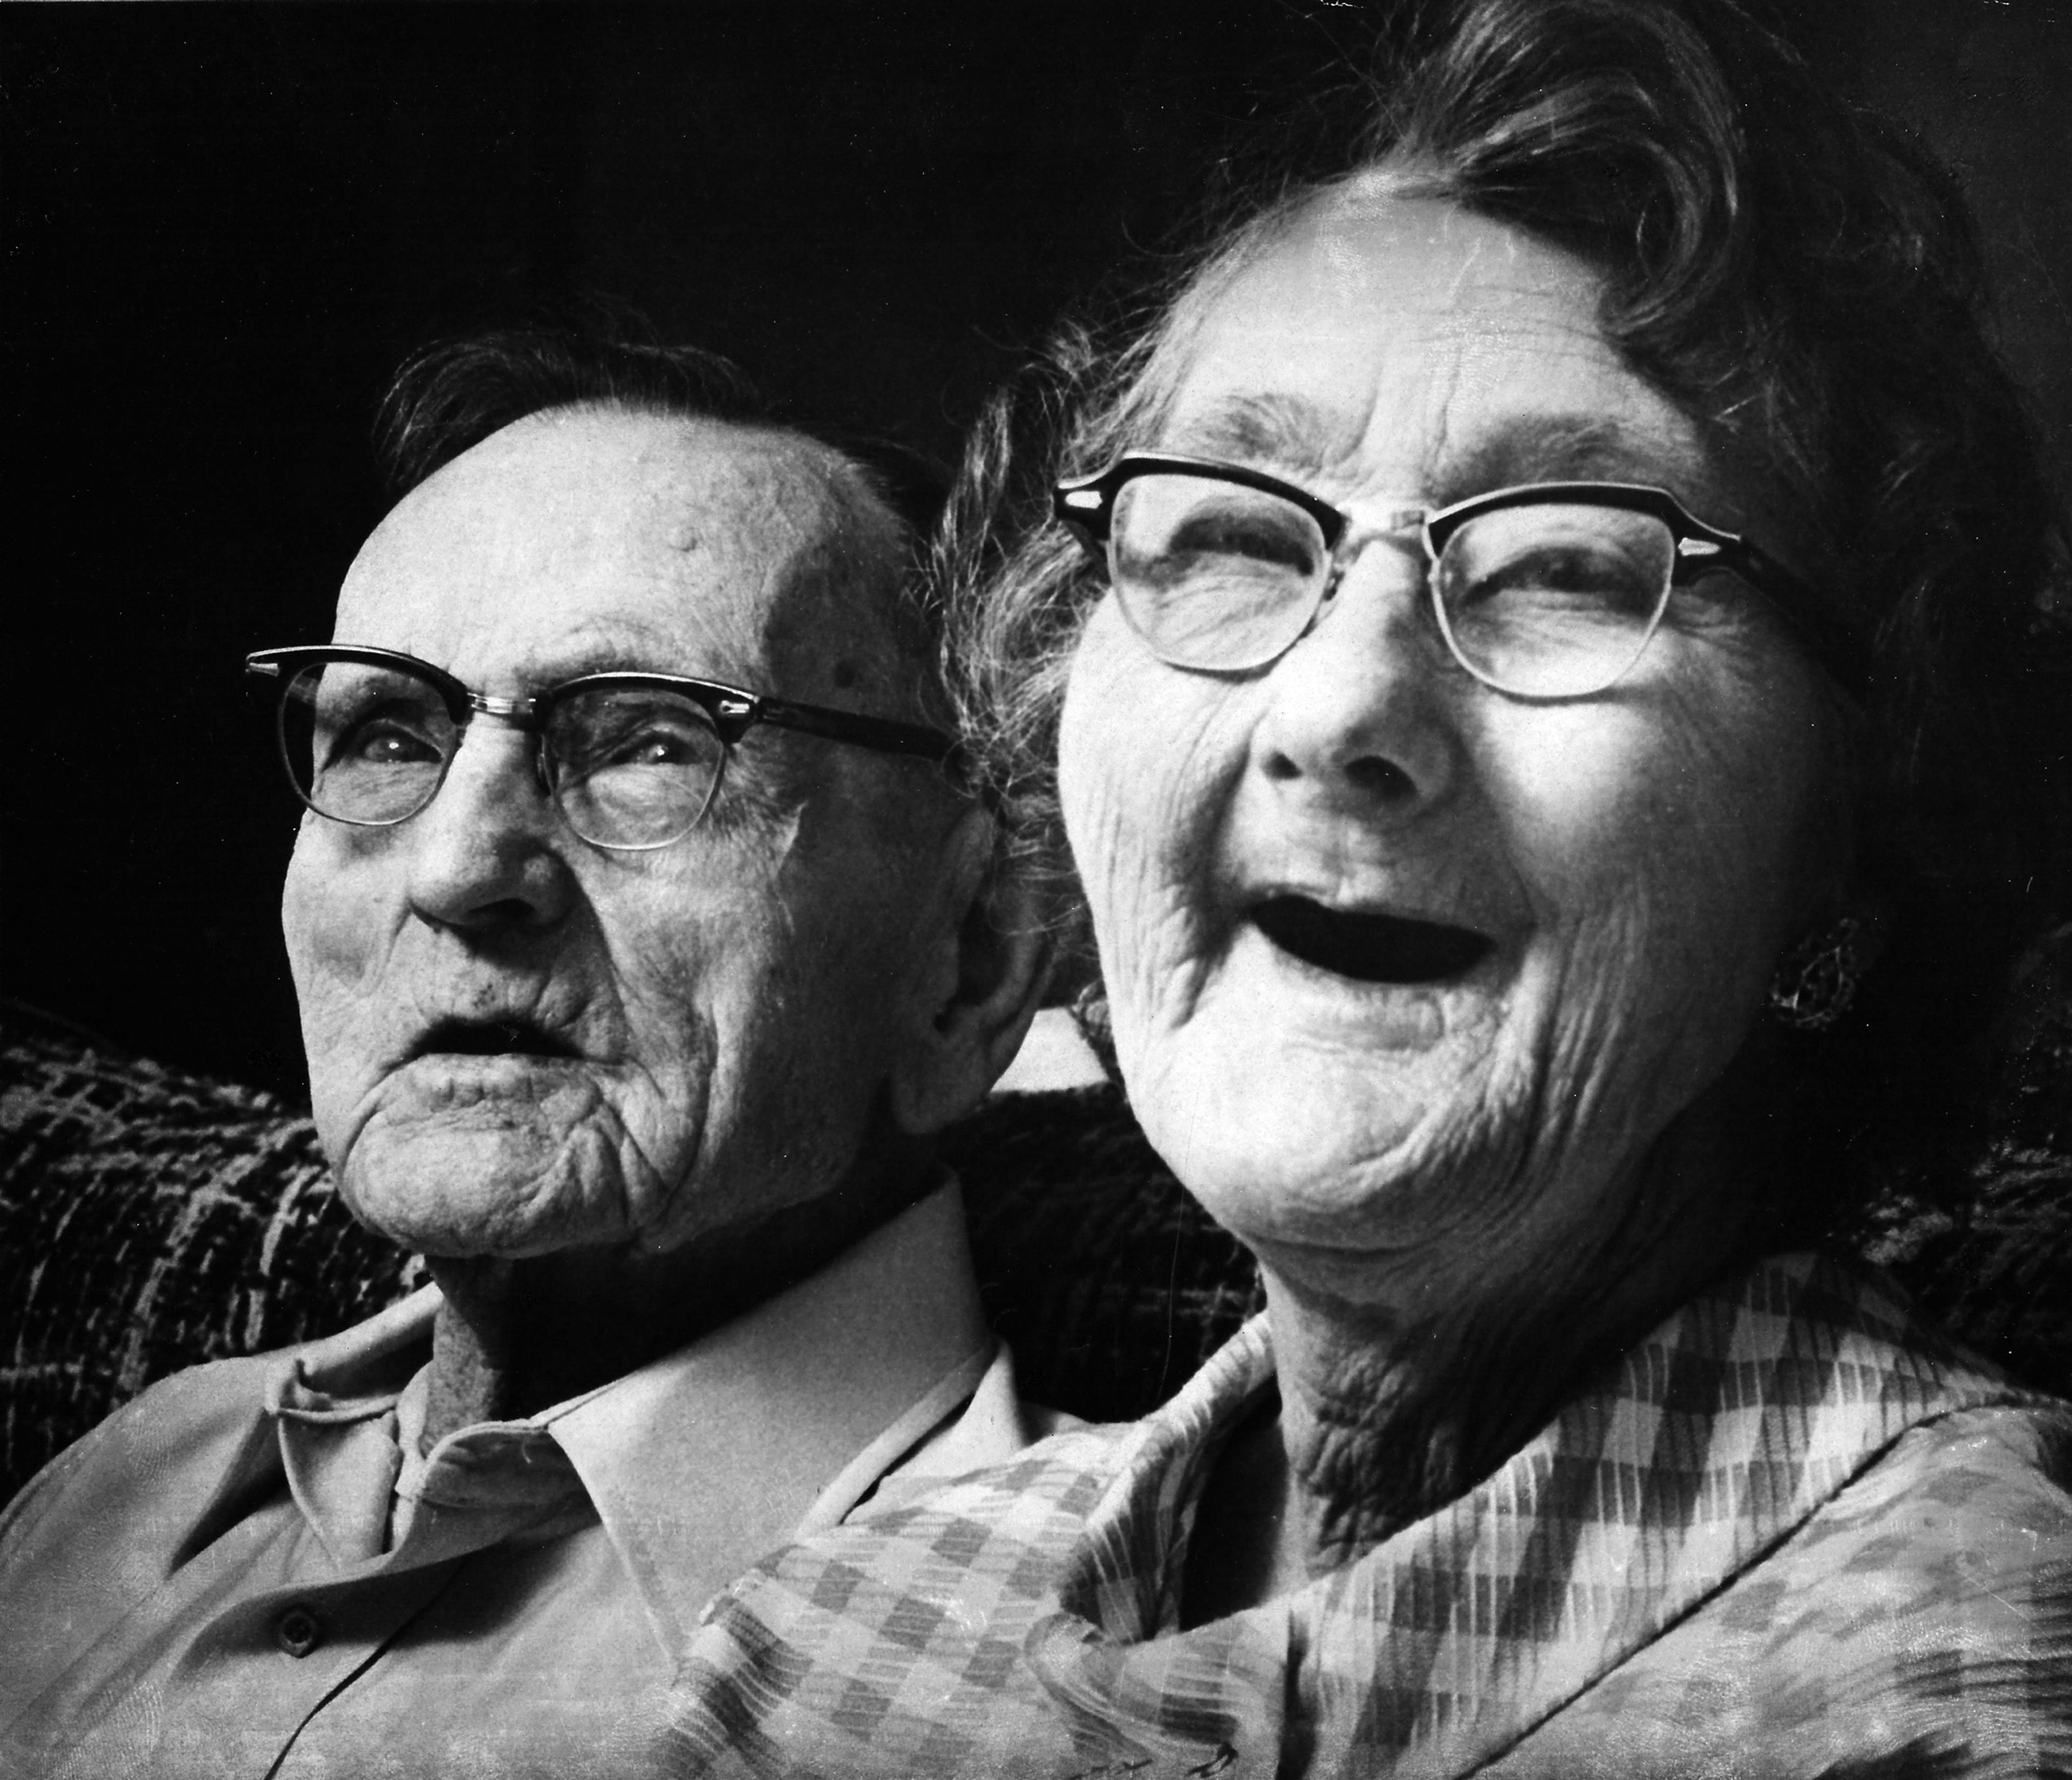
pixel 1379 340
pixel 583 539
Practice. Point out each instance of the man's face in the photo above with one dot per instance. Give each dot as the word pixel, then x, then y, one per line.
pixel 518 1042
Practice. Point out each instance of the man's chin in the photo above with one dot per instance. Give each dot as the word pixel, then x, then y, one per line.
pixel 454 1189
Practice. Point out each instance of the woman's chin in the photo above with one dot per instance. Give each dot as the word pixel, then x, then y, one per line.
pixel 1316 1112
pixel 1301 1149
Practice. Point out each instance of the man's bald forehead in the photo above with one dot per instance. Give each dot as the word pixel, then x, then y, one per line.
pixel 841 621
pixel 781 528
pixel 836 620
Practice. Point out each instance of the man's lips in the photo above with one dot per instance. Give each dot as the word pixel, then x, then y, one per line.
pixel 1369 948
pixel 491 1038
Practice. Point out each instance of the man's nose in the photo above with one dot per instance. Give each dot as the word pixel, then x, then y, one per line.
pixel 1361 711
pixel 488 851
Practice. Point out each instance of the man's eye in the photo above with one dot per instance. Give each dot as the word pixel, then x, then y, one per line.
pixel 389 744
pixel 372 743
pixel 655 745
pixel 629 735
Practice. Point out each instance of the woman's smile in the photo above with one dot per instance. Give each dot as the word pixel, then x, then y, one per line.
pixel 1369 946
pixel 1445 962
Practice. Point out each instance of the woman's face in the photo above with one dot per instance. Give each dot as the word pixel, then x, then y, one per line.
pixel 1329 1083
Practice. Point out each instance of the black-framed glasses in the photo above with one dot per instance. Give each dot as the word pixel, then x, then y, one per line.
pixel 632 759
pixel 1548 591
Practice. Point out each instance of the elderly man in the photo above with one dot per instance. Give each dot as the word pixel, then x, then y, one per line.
pixel 642 939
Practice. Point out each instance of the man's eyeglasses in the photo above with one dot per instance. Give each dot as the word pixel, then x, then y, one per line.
pixel 633 759
pixel 1550 590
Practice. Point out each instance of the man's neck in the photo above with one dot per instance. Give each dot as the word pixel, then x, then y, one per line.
pixel 515 1337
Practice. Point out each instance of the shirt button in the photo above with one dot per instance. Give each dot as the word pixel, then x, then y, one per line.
pixel 297 1631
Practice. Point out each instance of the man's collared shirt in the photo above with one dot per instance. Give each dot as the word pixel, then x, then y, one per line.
pixel 252 1569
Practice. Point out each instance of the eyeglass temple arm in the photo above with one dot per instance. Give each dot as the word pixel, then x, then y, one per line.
pixel 1839 645
pixel 879 732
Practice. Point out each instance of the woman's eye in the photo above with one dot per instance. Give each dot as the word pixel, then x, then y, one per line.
pixel 1174 533
pixel 1558 561
pixel 1555 567
pixel 1254 540
pixel 1571 575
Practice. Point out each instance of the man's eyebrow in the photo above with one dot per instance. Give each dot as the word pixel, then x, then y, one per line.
pixel 622 650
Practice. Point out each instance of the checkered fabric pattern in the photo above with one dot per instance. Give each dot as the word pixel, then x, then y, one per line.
pixel 1794 1530
pixel 151 1220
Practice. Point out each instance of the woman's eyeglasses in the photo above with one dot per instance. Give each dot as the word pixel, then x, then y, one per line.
pixel 632 759
pixel 1550 590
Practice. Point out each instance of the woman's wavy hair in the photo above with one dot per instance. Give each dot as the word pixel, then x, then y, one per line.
pixel 1803 281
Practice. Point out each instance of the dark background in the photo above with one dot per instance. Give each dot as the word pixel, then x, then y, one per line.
pixel 224 225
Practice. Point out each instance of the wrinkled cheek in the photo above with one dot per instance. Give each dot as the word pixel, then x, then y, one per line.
pixel 673 1154
pixel 1155 992
pixel 1142 808
pixel 1651 1009
pixel 1143 928
pixel 337 945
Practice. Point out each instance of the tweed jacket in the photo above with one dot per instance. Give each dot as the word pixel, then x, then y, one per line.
pixel 1793 1532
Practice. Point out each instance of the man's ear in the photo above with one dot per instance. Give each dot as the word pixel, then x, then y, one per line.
pixel 994 961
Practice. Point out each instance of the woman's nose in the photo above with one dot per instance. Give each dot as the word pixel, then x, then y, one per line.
pixel 1361 710
pixel 487 853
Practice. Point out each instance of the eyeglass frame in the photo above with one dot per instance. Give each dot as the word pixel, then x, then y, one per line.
pixel 1085 505
pixel 732 711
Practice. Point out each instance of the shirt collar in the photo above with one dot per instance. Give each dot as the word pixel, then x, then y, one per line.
pixel 1701 1449
pixel 334 1403
pixel 697 1463
pixel 703 1462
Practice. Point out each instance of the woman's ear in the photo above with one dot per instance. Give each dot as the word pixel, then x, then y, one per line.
pixel 994 959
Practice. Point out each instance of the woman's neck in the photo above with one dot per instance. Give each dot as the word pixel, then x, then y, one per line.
pixel 1384 1419
pixel 1380 1423
pixel 1397 1398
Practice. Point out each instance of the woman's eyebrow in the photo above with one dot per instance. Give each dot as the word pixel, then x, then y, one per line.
pixel 1288 432
pixel 1564 447
pixel 1292 434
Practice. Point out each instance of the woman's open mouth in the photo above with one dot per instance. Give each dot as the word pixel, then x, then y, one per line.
pixel 492 1039
pixel 1369 948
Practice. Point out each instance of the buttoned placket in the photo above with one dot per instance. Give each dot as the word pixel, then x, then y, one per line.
pixel 252 1674
pixel 283 1587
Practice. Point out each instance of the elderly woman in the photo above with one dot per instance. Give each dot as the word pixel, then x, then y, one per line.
pixel 1533 658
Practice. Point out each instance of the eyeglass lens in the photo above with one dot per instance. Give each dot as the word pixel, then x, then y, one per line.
pixel 1548 599
pixel 631 766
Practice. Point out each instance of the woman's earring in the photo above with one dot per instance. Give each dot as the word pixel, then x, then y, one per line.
pixel 1090 1015
pixel 1817 979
